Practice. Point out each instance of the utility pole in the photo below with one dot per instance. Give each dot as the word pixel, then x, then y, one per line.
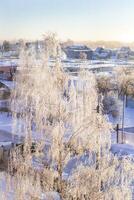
pixel 117 129
pixel 123 115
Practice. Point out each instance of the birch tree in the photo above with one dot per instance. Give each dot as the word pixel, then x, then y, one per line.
pixel 58 115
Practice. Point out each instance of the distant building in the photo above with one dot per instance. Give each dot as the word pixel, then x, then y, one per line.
pixel 123 53
pixel 101 53
pixel 7 72
pixel 78 52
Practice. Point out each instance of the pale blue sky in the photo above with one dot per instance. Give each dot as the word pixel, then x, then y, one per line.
pixel 75 19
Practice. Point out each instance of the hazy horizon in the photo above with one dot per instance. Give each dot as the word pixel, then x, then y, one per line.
pixel 78 20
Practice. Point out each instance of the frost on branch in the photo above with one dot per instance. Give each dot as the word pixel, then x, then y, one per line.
pixel 58 114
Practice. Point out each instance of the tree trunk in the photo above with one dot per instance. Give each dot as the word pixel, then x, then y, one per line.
pixel 60 181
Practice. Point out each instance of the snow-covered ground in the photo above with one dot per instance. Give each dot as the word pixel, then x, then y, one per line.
pixel 123 149
pixel 6 122
pixel 77 63
pixel 8 62
pixel 129 117
pixel 128 147
pixel 10 133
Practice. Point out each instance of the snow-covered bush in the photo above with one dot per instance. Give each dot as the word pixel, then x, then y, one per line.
pixel 112 106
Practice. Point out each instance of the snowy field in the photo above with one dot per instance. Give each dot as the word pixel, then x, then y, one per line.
pixel 127 148
pixel 129 117
pixel 72 63
pixel 8 133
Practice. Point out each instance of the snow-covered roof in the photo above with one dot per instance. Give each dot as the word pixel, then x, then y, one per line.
pixel 8 62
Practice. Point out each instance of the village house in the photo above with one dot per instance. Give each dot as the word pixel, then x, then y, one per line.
pixel 124 53
pixel 101 53
pixel 78 52
pixel 7 71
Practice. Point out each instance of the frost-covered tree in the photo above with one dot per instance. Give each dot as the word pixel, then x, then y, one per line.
pixel 125 84
pixel 83 56
pixel 6 46
pixel 111 105
pixel 67 143
pixel 125 81
pixel 105 84
pixel 107 87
